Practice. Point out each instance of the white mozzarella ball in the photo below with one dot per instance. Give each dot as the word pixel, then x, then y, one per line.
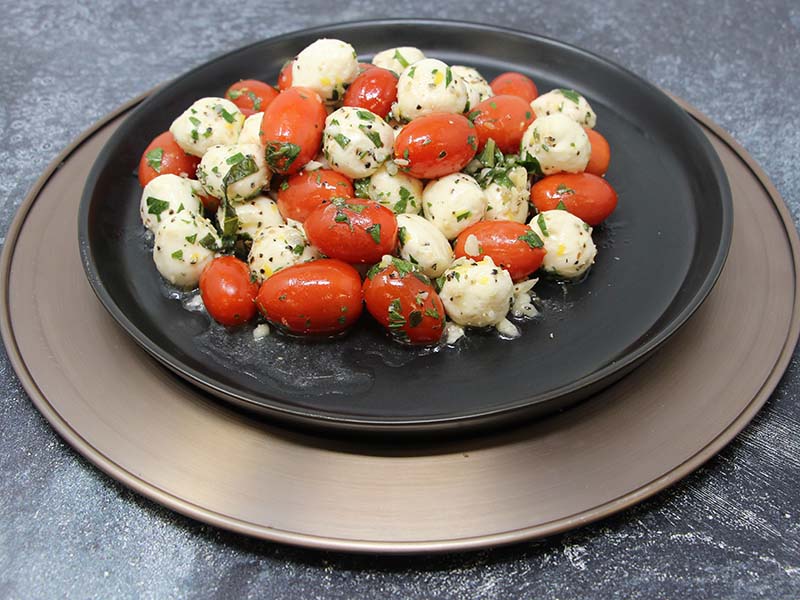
pixel 249 161
pixel 397 191
pixel 429 86
pixel 568 103
pixel 568 242
pixel 254 215
pixel 251 130
pixel 165 196
pixel 477 293
pixel 478 89
pixel 397 59
pixel 421 243
pixel 558 143
pixel 508 202
pixel 277 247
pixel 356 141
pixel 453 203
pixel 184 245
pixel 208 122
pixel 327 67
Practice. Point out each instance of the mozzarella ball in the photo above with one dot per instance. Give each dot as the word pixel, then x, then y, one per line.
pixel 327 67
pixel 208 122
pixel 251 130
pixel 184 245
pixel 277 247
pixel 254 215
pixel 568 242
pixel 421 243
pixel 399 192
pixel 218 162
pixel 478 89
pixel 165 196
pixel 567 102
pixel 356 141
pixel 429 86
pixel 508 202
pixel 558 143
pixel 477 294
pixel 453 203
pixel 397 59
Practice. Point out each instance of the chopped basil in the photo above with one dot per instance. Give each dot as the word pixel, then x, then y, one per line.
pixel 153 158
pixel 255 100
pixel 341 217
pixel 563 189
pixel 542 225
pixel 284 185
pixel 280 155
pixel 571 95
pixel 401 59
pixel 474 115
pixel 401 205
pixel 402 235
pixel 342 140
pixel 366 115
pixel 375 232
pixel 396 318
pixel 209 242
pixel 433 313
pixel 195 135
pixel 191 238
pixel 530 238
pixel 373 136
pixel 155 206
pixel 234 94
pixel 411 72
pixel 414 318
pixel 178 255
pixel 463 215
pixel 448 77
pixel 528 114
pixel 298 249
pixel 361 187
pixel 194 121
pixel 235 159
pixel 224 113
pixel 561 205
pixel 472 142
pixel 343 203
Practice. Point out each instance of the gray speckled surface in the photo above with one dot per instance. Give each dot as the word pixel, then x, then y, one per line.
pixel 731 529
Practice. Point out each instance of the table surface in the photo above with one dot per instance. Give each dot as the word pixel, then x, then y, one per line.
pixel 732 529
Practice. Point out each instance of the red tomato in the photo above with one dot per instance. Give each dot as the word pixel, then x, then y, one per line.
pixel 353 230
pixel 586 196
pixel 511 245
pixel 163 156
pixel 601 153
pixel 375 89
pixel 291 130
pixel 321 297
pixel 285 77
pixel 303 192
pixel 503 119
pixel 251 95
pixel 210 203
pixel 515 84
pixel 404 302
pixel 228 292
pixel 436 145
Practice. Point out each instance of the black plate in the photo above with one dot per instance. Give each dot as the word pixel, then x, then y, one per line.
pixel 659 255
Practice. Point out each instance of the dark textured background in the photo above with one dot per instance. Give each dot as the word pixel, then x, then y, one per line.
pixel 730 530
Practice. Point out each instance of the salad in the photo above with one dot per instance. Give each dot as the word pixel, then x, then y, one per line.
pixel 409 187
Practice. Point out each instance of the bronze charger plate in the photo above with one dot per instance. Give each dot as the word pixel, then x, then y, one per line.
pixel 170 442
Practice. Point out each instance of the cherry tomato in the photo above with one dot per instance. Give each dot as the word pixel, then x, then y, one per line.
pixel 404 302
pixel 375 89
pixel 586 196
pixel 436 145
pixel 504 119
pixel 291 130
pixel 228 292
pixel 511 245
pixel 353 230
pixel 321 297
pixel 305 191
pixel 285 77
pixel 515 84
pixel 251 95
pixel 601 153
pixel 163 156
pixel 210 203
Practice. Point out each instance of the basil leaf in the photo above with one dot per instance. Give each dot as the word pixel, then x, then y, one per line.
pixel 155 206
pixel 375 232
pixel 153 158
pixel 571 95
pixel 530 238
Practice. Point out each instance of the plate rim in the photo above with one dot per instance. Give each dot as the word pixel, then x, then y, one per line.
pixel 305 416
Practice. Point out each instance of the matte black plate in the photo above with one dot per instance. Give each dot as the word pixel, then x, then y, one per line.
pixel 659 256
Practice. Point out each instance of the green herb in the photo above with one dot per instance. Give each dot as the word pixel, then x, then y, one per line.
pixel 474 115
pixel 411 72
pixel 178 255
pixel 335 122
pixel 195 135
pixel 433 313
pixel 405 153
pixel 284 185
pixel 528 114
pixel 402 234
pixel 401 59
pixel 225 114
pixel 530 238
pixel 442 154
pixel 563 189
pixel 502 178
pixel 156 206
pixel 448 77
pixel 298 249
pixel 373 136
pixel 234 94
pixel 154 157
pixel 361 187
pixel 342 140
pixel 571 95
pixel 235 159
pixel 255 100
pixel 401 205
pixel 493 105
pixel 414 318
pixel 531 164
pixel 463 215
pixel 341 217
pixel 343 203
pixel 375 232
pixel 209 242
pixel 281 155
pixel 191 238
pixel 207 133
pixel 561 205
pixel 194 121
pixel 472 142
pixel 366 115
pixel 396 318
pixel 487 156
pixel 542 225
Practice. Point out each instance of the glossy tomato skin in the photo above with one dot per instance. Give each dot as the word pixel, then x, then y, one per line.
pixel 303 192
pixel 228 292
pixel 515 84
pixel 291 130
pixel 405 303
pixel 586 196
pixel 601 153
pixel 374 89
pixel 285 76
pixel 322 297
pixel 353 230
pixel 251 95
pixel 508 243
pixel 171 160
pixel 504 119
pixel 436 145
